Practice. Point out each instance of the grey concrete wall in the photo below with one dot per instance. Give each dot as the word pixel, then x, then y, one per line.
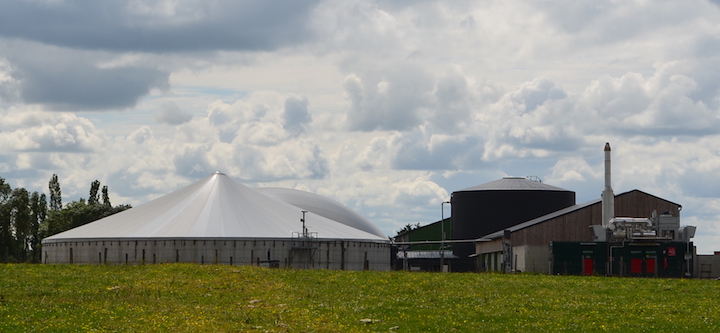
pixel 316 254
pixel 708 266
pixel 531 258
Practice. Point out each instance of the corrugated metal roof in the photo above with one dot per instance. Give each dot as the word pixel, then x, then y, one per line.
pixel 513 183
pixel 426 255
pixel 215 206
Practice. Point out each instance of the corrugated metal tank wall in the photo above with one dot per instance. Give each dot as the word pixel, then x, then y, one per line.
pixel 491 207
pixel 281 253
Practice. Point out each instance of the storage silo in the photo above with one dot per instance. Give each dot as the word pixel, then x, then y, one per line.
pixel 219 220
pixel 494 206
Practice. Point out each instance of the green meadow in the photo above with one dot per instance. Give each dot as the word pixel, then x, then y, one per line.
pixel 217 298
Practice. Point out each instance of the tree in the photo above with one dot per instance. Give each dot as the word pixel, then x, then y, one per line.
pixel 4 190
pixel 38 208
pixel 78 213
pixel 105 196
pixel 81 212
pixel 94 195
pixel 408 227
pixel 6 234
pixel 20 217
pixel 55 194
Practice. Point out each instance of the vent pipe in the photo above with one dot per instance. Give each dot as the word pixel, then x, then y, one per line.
pixel 608 197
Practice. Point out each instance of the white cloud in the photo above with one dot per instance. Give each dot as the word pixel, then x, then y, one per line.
pixel 47 132
pixel 386 106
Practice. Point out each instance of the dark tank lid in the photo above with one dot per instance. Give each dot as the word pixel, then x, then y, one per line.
pixel 513 184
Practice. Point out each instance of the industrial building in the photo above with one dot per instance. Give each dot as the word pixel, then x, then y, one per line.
pixel 481 210
pixel 219 220
pixel 520 224
pixel 630 234
pixel 419 249
pixel 525 247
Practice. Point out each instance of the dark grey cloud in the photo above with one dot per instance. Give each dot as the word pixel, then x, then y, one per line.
pixel 171 114
pixel 158 26
pixel 715 2
pixel 72 85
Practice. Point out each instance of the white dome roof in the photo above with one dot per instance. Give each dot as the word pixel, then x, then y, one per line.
pixel 514 184
pixel 215 206
pixel 322 206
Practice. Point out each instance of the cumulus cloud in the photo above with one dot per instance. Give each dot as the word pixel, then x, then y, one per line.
pixel 43 132
pixel 296 114
pixel 533 94
pixel 659 105
pixel 455 101
pixel 392 102
pixel 423 151
pixel 258 137
pixel 170 113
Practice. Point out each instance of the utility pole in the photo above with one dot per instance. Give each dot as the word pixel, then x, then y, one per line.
pixel 442 235
pixel 304 230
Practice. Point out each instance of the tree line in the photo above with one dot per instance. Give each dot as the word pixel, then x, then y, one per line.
pixel 26 218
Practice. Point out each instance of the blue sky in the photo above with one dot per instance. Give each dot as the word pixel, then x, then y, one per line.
pixel 385 106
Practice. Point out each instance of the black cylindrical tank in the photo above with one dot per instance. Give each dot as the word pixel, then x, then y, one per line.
pixel 481 210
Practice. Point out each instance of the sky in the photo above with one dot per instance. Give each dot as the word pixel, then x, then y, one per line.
pixel 385 106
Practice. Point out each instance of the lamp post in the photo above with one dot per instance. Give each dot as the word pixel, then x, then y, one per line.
pixel 442 235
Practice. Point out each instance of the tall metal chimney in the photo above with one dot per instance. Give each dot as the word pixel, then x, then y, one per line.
pixel 608 197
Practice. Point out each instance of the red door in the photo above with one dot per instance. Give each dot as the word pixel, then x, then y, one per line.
pixel 588 266
pixel 636 266
pixel 650 265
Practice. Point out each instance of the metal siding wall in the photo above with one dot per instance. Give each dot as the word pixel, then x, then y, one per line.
pixel 639 204
pixel 574 226
pixel 243 252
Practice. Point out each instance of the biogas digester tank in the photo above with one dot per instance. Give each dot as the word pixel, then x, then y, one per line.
pixel 483 209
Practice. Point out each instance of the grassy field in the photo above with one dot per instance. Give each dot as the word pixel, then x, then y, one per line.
pixel 216 298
